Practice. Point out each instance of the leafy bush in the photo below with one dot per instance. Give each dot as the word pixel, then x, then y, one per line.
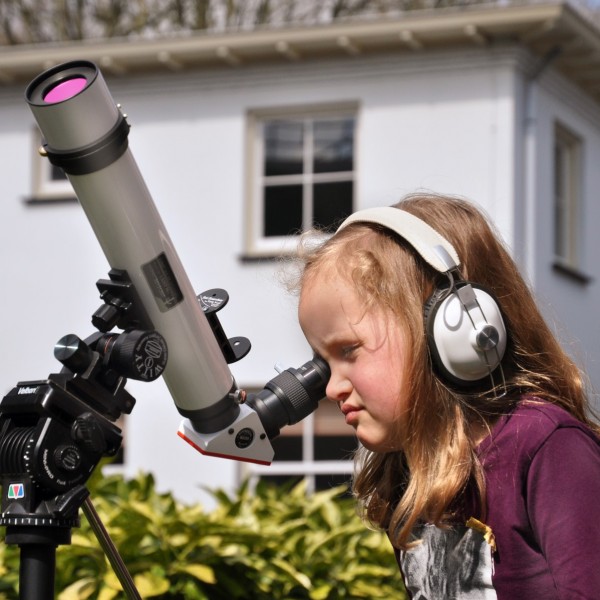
pixel 268 543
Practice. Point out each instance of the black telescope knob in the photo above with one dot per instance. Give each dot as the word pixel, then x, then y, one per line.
pixel 74 353
pixel 135 353
pixel 105 318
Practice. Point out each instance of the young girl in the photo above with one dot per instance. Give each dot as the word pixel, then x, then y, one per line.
pixel 479 455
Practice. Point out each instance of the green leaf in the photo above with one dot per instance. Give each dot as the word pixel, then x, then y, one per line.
pixel 149 584
pixel 300 578
pixel 321 593
pixel 200 572
pixel 78 539
pixel 80 590
pixel 111 581
pixel 107 593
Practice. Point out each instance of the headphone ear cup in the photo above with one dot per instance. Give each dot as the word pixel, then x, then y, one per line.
pixel 466 342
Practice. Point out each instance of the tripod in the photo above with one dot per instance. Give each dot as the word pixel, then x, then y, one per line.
pixel 38 555
pixel 53 433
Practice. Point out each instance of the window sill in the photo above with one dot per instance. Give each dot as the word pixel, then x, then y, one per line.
pixel 572 273
pixel 266 258
pixel 37 200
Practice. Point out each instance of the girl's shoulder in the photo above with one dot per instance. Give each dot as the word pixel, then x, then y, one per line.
pixel 529 425
pixel 545 416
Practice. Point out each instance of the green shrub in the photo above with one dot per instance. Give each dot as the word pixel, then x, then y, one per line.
pixel 268 543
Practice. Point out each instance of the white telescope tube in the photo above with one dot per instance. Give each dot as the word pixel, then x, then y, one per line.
pixel 86 135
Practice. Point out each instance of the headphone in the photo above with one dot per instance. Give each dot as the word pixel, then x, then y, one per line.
pixel 465 330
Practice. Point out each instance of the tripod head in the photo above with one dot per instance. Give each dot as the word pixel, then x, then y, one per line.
pixel 53 432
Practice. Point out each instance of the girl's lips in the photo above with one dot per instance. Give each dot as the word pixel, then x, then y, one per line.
pixel 351 413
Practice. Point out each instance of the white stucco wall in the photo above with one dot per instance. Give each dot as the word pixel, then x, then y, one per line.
pixel 442 121
pixel 569 304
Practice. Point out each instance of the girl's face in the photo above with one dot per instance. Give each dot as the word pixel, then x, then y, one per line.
pixel 366 352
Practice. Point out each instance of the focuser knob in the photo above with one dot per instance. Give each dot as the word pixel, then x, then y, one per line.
pixel 134 354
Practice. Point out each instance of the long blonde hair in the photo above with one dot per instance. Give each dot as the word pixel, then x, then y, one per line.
pixel 438 459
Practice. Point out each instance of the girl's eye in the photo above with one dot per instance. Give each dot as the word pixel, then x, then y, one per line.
pixel 348 351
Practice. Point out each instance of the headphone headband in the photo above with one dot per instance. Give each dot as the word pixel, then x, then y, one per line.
pixel 435 250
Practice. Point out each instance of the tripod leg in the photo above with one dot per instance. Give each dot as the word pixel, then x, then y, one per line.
pixel 36 572
pixel 110 550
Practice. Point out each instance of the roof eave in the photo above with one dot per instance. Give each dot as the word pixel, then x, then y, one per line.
pixel 537 26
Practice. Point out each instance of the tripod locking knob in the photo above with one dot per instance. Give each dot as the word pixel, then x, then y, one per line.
pixel 87 432
pixel 67 457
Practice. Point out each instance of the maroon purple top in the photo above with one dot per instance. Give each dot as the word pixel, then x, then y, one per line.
pixel 542 469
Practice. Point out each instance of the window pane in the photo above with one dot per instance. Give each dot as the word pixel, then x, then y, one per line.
pixel 284 142
pixel 283 210
pixel 335 447
pixel 560 202
pixel 567 149
pixel 332 202
pixel 326 482
pixel 287 447
pixel 333 146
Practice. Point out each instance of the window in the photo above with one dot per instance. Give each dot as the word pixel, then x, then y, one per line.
pixel 319 449
pixel 49 182
pixel 567 192
pixel 302 175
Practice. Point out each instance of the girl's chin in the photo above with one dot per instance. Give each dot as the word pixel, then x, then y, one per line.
pixel 372 445
pixel 382 446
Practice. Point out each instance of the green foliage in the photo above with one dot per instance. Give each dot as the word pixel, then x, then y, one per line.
pixel 267 543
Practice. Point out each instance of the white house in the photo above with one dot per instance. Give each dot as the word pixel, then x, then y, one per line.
pixel 497 103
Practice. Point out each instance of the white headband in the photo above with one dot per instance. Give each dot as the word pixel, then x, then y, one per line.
pixel 436 250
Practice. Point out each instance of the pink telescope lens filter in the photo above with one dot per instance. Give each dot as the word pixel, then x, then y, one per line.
pixel 65 90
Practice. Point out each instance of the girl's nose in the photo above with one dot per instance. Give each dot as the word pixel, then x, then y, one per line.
pixel 338 388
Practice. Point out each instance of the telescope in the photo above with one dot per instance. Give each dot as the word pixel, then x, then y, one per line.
pixel 86 135
pixel 54 431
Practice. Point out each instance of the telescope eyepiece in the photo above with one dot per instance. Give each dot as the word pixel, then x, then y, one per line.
pixel 291 396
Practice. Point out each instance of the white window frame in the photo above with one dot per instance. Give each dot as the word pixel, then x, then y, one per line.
pixel 44 187
pixel 567 203
pixel 256 243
